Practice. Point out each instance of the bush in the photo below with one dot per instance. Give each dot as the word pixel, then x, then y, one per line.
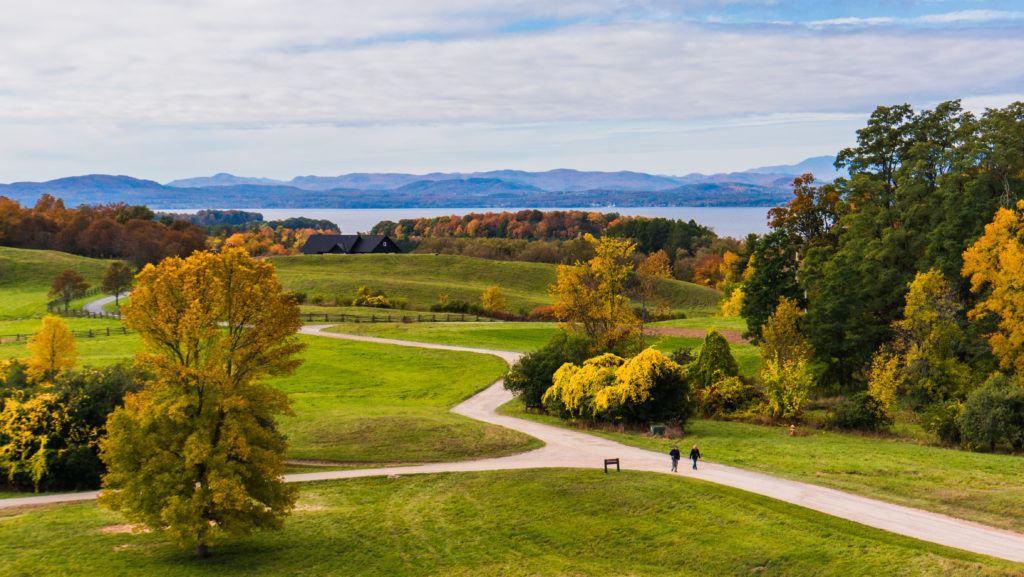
pixel 942 419
pixel 532 375
pixel 542 313
pixel 714 362
pixel 785 387
pixel 367 298
pixel 725 396
pixel 861 412
pixel 300 297
pixel 994 413
pixel 317 299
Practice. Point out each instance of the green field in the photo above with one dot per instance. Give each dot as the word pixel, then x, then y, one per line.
pixel 366 403
pixel 507 523
pixel 26 275
pixel 983 487
pixel 99 350
pixel 421 278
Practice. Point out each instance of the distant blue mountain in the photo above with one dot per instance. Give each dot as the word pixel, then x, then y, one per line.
pixel 765 186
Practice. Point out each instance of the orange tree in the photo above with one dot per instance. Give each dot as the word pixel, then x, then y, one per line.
pixel 197 452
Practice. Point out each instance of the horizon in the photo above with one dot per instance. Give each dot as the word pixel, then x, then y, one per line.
pixel 669 88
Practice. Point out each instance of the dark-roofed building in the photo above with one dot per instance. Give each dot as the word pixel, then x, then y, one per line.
pixel 349 244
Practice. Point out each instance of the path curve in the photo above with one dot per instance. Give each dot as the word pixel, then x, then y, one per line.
pixel 575 449
pixel 96 307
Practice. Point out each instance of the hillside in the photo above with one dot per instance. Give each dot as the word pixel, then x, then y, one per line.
pixel 25 277
pixel 421 278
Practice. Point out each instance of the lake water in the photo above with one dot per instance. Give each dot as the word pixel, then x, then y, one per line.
pixel 726 221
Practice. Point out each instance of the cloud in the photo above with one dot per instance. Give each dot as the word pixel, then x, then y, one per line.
pixel 945 18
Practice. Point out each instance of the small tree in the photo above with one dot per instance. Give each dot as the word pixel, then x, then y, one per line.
pixel 781 339
pixel 52 349
pixel 785 387
pixel 117 280
pixel 715 361
pixel 198 452
pixel 67 286
pixel 493 300
pixel 994 413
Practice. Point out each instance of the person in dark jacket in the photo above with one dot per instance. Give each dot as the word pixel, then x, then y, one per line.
pixel 674 453
pixel 694 455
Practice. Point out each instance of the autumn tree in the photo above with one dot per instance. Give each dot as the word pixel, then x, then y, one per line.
pixel 118 279
pixel 995 266
pixel 197 453
pixel 67 286
pixel 493 300
pixel 591 297
pixel 52 349
pixel 781 338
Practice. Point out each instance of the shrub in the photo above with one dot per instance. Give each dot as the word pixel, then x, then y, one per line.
pixel 542 313
pixel 317 299
pixel 574 388
pixel 861 412
pixel 994 413
pixel 367 298
pixel 725 396
pixel 532 375
pixel 785 387
pixel 714 362
pixel 493 300
pixel 300 297
pixel 942 419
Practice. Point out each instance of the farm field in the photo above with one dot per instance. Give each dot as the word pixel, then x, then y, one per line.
pixel 25 277
pixel 983 487
pixel 422 278
pixel 535 522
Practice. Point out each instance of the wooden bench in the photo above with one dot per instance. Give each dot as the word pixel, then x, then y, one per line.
pixel 611 462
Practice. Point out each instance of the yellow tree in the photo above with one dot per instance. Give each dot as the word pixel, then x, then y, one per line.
pixel 492 299
pixel 781 339
pixel 590 297
pixel 995 266
pixel 52 349
pixel 198 452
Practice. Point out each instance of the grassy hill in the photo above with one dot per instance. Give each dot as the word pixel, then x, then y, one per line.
pixel 25 277
pixel 421 278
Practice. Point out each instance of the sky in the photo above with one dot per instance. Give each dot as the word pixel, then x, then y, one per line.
pixel 166 89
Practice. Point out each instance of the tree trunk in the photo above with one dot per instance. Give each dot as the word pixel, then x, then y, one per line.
pixel 202 551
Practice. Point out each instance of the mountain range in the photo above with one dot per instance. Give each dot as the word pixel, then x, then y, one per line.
pixel 764 186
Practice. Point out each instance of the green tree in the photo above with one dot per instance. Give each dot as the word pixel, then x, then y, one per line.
pixel 774 263
pixel 531 376
pixel 714 362
pixel 198 452
pixel 781 338
pixel 67 286
pixel 994 413
pixel 118 279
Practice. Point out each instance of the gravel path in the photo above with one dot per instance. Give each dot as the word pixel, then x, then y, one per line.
pixel 567 448
pixel 96 307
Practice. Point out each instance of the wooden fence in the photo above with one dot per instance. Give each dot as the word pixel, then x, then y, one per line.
pixel 82 334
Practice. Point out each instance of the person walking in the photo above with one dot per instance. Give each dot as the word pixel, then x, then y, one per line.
pixel 674 453
pixel 694 455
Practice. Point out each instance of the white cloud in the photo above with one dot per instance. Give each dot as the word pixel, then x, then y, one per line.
pixel 957 17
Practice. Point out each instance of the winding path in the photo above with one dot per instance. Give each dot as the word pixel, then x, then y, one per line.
pixel 567 448
pixel 96 307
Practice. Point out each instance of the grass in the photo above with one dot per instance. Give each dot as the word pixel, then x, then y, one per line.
pixel 508 523
pixel 705 322
pixel 100 350
pixel 521 337
pixel 982 487
pixel 26 275
pixel 421 278
pixel 366 403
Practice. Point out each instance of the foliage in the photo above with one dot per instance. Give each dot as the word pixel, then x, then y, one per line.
pixel 526 224
pixel 781 338
pixel 885 378
pixel 532 375
pixel 67 286
pixel 993 414
pixel 49 431
pixel 118 279
pixel 493 300
pixel 647 387
pixel 714 361
pixel 773 277
pixel 942 419
pixel 995 265
pixel 733 305
pixel 107 231
pixel 590 297
pixel 725 396
pixel 268 240
pixel 366 297
pixel 861 411
pixel 51 350
pixel 198 452
pixel 785 386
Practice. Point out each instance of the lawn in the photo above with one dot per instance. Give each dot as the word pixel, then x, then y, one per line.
pixel 521 337
pixel 99 350
pixel 26 275
pixel 366 403
pixel 422 278
pixel 983 487
pixel 508 523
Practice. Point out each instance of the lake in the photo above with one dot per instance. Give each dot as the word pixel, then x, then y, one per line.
pixel 726 221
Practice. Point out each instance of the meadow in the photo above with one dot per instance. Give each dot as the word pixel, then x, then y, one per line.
pixel 509 523
pixel 26 275
pixel 422 278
